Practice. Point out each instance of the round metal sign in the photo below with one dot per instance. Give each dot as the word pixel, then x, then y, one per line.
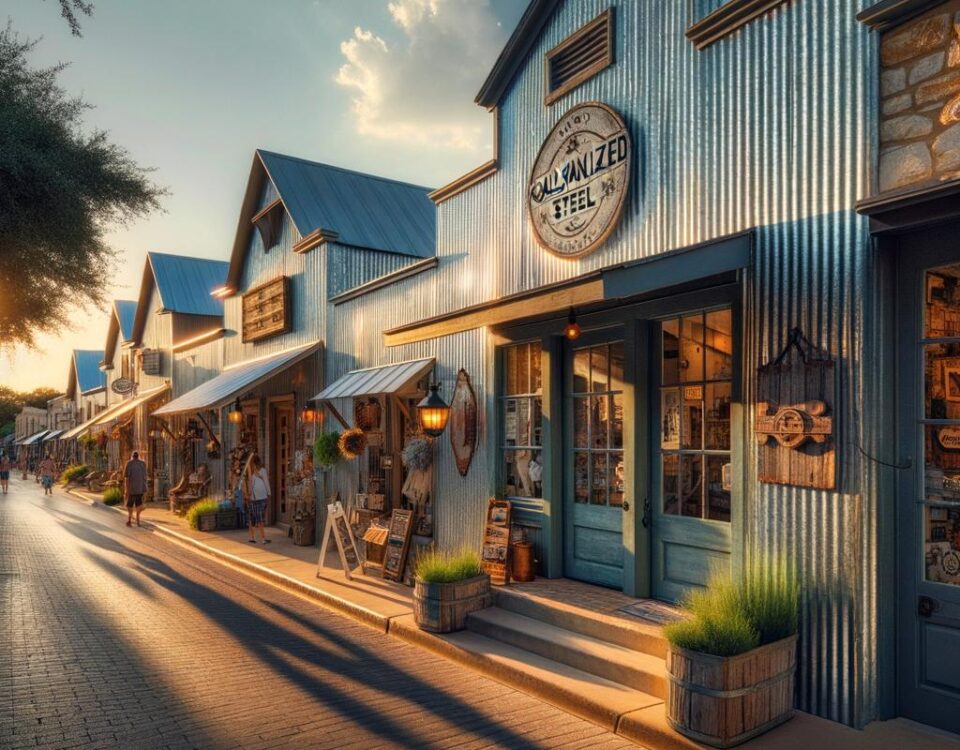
pixel 122 386
pixel 579 181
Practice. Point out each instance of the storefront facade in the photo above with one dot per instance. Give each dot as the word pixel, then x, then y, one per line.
pixel 637 455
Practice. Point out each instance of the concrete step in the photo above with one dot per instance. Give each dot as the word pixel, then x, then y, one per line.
pixel 629 632
pixel 608 704
pixel 610 661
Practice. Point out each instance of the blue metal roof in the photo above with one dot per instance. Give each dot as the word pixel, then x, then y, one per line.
pixel 185 283
pixel 364 210
pixel 87 365
pixel 235 381
pixel 125 310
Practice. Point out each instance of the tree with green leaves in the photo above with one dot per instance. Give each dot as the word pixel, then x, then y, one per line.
pixel 39 396
pixel 61 188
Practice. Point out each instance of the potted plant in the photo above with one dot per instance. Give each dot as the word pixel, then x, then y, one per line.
pixel 731 660
pixel 326 449
pixel 447 587
pixel 112 496
pixel 202 515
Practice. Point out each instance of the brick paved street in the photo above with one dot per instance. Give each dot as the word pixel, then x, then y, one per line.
pixel 115 637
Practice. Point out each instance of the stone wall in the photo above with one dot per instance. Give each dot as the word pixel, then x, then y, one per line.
pixel 920 100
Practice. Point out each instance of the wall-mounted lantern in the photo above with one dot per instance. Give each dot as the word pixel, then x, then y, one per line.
pixel 434 412
pixel 310 414
pixel 571 331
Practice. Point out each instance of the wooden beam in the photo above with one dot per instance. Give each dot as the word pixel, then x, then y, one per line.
pixel 496 313
pixel 402 407
pixel 336 414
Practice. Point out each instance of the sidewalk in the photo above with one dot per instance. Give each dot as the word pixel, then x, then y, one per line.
pixel 387 607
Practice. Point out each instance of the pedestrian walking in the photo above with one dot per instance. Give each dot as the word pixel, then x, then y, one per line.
pixel 46 472
pixel 22 464
pixel 257 493
pixel 5 466
pixel 134 486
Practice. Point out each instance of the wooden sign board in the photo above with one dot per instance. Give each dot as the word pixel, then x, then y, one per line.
pixel 342 534
pixel 496 541
pixel 266 310
pixel 463 423
pixel 398 544
pixel 794 424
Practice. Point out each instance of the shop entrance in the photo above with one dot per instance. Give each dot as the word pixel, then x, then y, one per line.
pixel 691 465
pixel 594 483
pixel 928 498
pixel 281 450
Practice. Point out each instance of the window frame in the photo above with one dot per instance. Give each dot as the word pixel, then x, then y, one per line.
pixel 501 399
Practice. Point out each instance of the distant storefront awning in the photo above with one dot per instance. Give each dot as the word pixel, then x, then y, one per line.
pixel 125 407
pixel 376 381
pixel 35 439
pixel 52 435
pixel 235 381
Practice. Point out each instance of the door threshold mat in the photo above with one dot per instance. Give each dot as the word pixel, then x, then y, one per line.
pixel 650 609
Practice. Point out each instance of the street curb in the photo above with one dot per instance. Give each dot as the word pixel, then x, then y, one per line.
pixel 643 726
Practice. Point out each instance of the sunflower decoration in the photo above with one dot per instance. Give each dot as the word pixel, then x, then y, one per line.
pixel 352 443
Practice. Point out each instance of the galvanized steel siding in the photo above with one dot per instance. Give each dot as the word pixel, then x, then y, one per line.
pixel 770 129
pixel 349 267
pixel 157 334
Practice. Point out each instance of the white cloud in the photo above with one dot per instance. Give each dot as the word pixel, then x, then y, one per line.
pixel 421 90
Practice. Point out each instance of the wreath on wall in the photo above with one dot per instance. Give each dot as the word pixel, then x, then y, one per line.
pixel 352 443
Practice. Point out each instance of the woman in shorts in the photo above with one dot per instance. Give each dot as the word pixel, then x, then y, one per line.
pixel 258 493
pixel 5 466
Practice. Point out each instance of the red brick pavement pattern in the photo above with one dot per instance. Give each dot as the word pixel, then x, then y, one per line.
pixel 116 638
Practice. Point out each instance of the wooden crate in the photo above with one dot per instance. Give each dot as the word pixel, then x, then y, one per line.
pixel 723 701
pixel 227 518
pixel 443 607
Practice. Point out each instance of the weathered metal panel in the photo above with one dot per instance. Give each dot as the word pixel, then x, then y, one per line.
pixel 349 267
pixel 195 366
pixel 157 334
pixel 769 129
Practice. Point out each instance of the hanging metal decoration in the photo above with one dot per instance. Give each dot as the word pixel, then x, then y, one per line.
pixel 463 422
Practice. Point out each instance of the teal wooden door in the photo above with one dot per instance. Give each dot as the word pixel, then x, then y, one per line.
pixel 691 495
pixel 928 500
pixel 594 482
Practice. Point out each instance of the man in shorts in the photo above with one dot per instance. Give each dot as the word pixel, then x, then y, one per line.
pixel 134 486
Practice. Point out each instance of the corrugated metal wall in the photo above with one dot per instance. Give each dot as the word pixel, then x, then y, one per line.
pixel 157 334
pixel 770 129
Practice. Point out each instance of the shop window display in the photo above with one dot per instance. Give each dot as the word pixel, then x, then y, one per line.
pixel 522 420
pixel 941 425
pixel 696 371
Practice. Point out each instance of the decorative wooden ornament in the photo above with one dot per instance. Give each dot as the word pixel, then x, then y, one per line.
pixel 794 423
pixel 463 422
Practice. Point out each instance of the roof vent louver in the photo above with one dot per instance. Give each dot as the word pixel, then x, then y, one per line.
pixel 580 56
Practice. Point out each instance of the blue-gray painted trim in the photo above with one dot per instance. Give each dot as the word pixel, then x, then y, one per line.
pixel 678 267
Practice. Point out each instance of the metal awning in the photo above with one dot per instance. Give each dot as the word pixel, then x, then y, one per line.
pixel 35 438
pixel 376 381
pixel 235 380
pixel 125 407
pixel 52 435
pixel 79 429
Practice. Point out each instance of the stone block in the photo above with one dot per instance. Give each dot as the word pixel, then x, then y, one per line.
pixel 904 166
pixel 946 149
pixel 951 111
pixel 938 88
pixel 904 128
pixel 897 104
pixel 927 67
pixel 914 39
pixel 892 81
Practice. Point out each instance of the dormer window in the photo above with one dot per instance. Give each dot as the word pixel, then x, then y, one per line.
pixel 269 222
pixel 580 56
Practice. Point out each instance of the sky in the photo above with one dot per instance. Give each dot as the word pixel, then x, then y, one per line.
pixel 190 89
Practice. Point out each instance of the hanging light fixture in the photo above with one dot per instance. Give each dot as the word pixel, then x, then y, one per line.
pixel 433 412
pixel 571 331
pixel 236 412
pixel 310 414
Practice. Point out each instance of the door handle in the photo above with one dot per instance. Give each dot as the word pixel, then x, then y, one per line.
pixel 625 506
pixel 926 606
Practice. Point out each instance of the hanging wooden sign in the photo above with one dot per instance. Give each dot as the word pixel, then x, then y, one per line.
pixel 463 422
pixel 794 421
pixel 338 528
pixel 496 541
pixel 266 310
pixel 398 544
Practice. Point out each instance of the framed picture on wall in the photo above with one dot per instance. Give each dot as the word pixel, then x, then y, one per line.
pixel 951 381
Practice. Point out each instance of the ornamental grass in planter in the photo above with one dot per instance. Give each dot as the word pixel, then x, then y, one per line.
pixel 112 496
pixel 202 515
pixel 447 587
pixel 731 661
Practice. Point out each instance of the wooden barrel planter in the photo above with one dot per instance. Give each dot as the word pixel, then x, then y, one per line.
pixel 443 607
pixel 725 700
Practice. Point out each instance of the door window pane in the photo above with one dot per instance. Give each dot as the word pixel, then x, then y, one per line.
pixel 691 429
pixel 599 421
pixel 581 370
pixel 942 302
pixel 670 352
pixel 941 532
pixel 581 476
pixel 670 418
pixel 616 421
pixel 942 381
pixel 522 427
pixel 616 366
pixel 599 370
pixel 600 479
pixel 942 469
pixel 691 348
pixel 670 489
pixel 691 486
pixel 717 418
pixel 718 335
pixel 718 488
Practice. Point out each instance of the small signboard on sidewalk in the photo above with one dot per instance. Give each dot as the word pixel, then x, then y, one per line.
pixel 337 527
